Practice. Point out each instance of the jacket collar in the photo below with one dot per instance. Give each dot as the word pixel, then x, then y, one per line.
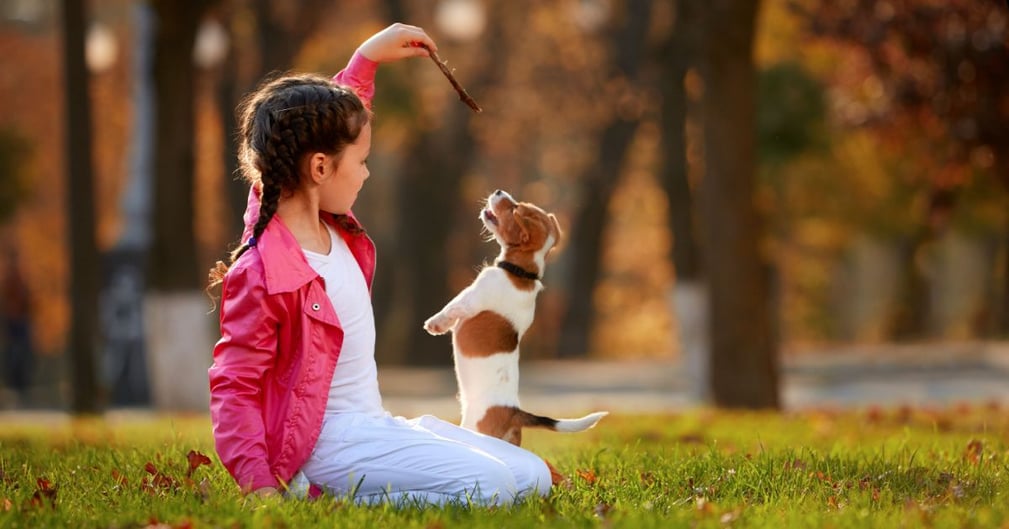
pixel 284 263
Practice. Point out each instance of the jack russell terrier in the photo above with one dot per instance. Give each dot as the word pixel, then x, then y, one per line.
pixel 489 317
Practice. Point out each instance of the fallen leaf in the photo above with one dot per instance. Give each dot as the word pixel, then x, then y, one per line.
pixel 119 478
pixel 7 505
pixel 973 451
pixel 730 517
pixel 44 492
pixel 647 478
pixel 159 479
pixel 204 489
pixel 588 475
pixel 795 464
pixel 195 460
pixel 703 505
pixel 556 478
pixel 691 438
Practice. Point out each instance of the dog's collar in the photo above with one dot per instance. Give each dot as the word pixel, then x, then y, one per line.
pixel 517 270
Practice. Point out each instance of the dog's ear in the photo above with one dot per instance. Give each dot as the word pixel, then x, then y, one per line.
pixel 522 223
pixel 557 230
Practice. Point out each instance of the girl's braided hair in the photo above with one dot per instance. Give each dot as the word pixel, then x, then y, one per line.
pixel 281 121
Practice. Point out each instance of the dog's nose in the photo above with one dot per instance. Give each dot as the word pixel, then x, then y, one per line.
pixel 498 193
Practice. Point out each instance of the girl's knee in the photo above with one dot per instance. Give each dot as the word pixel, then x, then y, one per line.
pixel 495 484
pixel 540 478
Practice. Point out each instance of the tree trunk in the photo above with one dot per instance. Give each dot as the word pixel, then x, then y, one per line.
pixel 429 193
pixel 236 189
pixel 744 371
pixel 81 218
pixel 172 260
pixel 179 331
pixel 280 32
pixel 431 189
pixel 688 298
pixel 598 184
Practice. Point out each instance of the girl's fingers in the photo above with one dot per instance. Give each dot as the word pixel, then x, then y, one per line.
pixel 418 35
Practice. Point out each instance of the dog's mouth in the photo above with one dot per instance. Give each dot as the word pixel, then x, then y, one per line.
pixel 489 217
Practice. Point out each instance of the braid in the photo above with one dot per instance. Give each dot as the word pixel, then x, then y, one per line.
pixel 283 120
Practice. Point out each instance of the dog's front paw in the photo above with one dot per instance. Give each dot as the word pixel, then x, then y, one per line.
pixel 438 324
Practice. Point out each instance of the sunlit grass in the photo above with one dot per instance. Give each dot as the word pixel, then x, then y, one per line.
pixel 866 468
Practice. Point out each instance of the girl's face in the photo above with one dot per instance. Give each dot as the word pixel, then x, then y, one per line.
pixel 339 188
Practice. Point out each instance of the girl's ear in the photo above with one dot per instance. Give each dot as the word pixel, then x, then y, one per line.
pixel 318 166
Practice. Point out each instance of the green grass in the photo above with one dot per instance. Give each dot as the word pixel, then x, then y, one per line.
pixel 865 468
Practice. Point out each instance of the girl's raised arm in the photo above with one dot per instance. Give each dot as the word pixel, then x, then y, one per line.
pixel 398 41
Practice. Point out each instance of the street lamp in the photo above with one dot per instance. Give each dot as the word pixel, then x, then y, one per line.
pixel 101 49
pixel 461 20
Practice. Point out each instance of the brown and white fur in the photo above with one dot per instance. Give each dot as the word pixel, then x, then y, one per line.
pixel 489 317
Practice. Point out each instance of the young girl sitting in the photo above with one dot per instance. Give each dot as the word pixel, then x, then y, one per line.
pixel 294 395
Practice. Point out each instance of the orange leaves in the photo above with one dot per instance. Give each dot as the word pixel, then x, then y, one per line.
pixel 556 478
pixel 160 481
pixel 972 454
pixel 195 460
pixel 588 475
pixel 45 494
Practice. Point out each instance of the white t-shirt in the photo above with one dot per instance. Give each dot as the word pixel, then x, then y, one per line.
pixel 355 380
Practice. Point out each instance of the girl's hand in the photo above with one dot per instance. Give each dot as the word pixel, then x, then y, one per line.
pixel 398 41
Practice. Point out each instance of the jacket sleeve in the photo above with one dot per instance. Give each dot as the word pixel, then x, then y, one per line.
pixel 359 76
pixel 246 350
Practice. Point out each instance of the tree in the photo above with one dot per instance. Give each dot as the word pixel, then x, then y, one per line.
pixel 429 194
pixel 628 44
pixel 941 69
pixel 280 30
pixel 675 56
pixel 744 370
pixel 172 258
pixel 178 329
pixel 81 218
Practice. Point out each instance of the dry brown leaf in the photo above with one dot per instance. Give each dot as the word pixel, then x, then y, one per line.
pixel 588 475
pixel 973 451
pixel 195 460
pixel 45 492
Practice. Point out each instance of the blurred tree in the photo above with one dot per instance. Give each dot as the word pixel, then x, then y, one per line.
pixel 744 369
pixel 266 36
pixel 173 261
pixel 429 194
pixel 14 184
pixel 179 331
pixel 676 55
pixel 81 218
pixel 627 38
pixel 937 70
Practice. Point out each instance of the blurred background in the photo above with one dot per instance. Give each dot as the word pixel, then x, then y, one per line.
pixel 743 185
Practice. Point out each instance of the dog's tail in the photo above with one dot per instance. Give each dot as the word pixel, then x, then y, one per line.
pixel 560 425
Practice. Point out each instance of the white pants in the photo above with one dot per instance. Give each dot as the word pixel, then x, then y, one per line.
pixel 424 460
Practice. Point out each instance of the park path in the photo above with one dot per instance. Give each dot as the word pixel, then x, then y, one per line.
pixel 885 375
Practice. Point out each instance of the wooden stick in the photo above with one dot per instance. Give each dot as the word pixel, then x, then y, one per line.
pixel 455 84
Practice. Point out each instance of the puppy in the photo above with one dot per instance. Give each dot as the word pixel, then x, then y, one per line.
pixel 489 317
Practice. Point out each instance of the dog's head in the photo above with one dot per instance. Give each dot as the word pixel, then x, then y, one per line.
pixel 520 226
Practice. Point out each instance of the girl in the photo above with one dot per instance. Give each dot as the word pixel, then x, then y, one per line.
pixel 294 395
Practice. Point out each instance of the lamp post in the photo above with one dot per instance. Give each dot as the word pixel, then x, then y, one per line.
pixel 81 218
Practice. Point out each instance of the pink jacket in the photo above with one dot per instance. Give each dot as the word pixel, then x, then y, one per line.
pixel 280 339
